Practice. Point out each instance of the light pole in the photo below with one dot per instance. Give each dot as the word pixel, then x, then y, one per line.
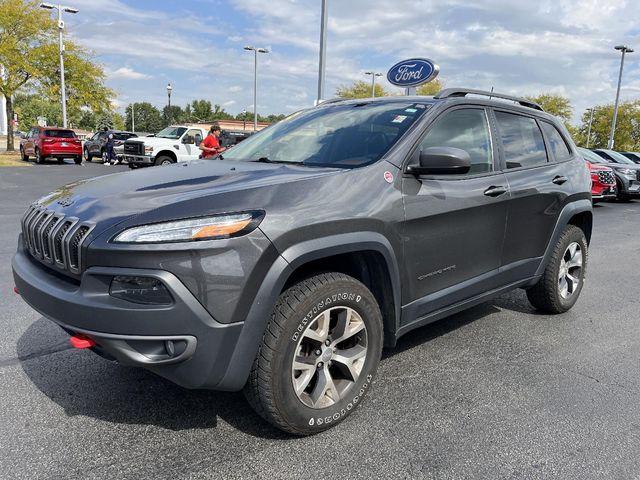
pixel 624 49
pixel 169 90
pixel 63 96
pixel 255 51
pixel 133 117
pixel 590 121
pixel 373 82
pixel 244 120
pixel 323 49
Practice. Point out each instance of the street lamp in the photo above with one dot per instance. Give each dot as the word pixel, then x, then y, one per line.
pixel 624 49
pixel 590 122
pixel 255 82
pixel 244 120
pixel 63 97
pixel 373 82
pixel 169 89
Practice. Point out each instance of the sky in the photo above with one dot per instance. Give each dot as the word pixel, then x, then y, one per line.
pixel 516 47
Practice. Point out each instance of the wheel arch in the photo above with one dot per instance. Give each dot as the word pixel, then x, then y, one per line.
pixel 365 256
pixel 166 153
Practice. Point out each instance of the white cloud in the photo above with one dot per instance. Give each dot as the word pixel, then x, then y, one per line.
pixel 235 89
pixel 128 73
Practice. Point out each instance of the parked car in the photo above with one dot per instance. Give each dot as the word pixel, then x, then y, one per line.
pixel 229 138
pixel 627 173
pixel 44 143
pixel 603 178
pixel 285 266
pixel 633 156
pixel 96 146
pixel 173 144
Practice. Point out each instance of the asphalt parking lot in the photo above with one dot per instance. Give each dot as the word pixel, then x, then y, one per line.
pixel 498 391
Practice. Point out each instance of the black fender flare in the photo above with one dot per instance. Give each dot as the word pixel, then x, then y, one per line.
pixel 568 212
pixel 286 263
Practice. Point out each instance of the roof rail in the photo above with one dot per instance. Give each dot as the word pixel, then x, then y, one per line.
pixel 462 92
pixel 334 100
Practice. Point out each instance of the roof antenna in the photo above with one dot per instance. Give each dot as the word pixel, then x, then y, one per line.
pixel 491 92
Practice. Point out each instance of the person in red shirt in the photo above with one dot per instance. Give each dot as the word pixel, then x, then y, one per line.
pixel 210 146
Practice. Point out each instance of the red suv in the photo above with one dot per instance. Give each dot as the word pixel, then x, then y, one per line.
pixel 603 182
pixel 51 142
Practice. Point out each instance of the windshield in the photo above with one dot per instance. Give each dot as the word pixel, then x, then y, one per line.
pixel 591 156
pixel 618 157
pixel 344 136
pixel 171 132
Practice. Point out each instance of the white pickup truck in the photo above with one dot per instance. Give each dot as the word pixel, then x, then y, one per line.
pixel 170 145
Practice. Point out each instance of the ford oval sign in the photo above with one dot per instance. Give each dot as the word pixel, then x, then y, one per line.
pixel 412 72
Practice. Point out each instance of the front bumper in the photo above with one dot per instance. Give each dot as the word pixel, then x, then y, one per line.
pixel 139 159
pixel 180 342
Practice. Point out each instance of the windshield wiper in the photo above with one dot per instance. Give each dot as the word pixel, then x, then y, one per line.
pixel 268 160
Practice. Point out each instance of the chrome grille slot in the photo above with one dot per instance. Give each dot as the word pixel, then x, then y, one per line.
pixel 55 239
pixel 606 178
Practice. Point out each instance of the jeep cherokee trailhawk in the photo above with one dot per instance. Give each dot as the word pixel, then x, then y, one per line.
pixel 285 266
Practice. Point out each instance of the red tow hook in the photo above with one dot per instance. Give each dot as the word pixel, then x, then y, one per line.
pixel 16 291
pixel 81 341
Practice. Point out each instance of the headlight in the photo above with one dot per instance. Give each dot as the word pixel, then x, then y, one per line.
pixel 193 229
pixel 148 150
pixel 627 171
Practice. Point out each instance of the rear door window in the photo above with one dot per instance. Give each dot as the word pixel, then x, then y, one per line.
pixel 556 143
pixel 521 139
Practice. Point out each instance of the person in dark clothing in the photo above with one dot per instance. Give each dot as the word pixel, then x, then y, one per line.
pixel 110 155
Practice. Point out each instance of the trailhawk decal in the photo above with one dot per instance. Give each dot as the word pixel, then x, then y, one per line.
pixel 343 411
pixel 313 313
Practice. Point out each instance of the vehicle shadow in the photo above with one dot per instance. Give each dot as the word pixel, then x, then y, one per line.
pixel 83 383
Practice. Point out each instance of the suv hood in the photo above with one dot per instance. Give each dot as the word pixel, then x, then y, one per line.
pixel 121 195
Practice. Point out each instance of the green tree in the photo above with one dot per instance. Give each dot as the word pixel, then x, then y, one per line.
pixel 360 89
pixel 201 110
pixel 148 118
pixel 555 105
pixel 173 115
pixel 627 135
pixel 26 31
pixel 431 88
pixel 30 107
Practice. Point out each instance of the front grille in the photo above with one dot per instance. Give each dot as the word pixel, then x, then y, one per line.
pixel 607 178
pixel 54 238
pixel 638 175
pixel 133 148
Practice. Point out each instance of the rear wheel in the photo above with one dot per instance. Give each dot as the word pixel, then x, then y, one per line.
pixel 23 155
pixel 561 283
pixel 164 160
pixel 78 160
pixel 38 156
pixel 318 356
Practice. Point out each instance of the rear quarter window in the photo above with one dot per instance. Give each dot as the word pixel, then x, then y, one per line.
pixel 556 142
pixel 521 139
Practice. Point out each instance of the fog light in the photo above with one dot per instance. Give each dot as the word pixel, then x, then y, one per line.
pixel 144 290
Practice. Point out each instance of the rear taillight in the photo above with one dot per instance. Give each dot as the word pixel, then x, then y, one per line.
pixel 48 140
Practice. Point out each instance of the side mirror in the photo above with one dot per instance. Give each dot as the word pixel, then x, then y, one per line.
pixel 189 140
pixel 441 161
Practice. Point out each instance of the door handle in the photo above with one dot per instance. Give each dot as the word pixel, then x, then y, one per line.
pixel 495 191
pixel 559 180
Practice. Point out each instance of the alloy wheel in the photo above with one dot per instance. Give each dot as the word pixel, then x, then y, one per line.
pixel 329 357
pixel 570 271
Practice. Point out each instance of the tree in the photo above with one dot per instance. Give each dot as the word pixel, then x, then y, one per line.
pixel 201 110
pixel 555 105
pixel 431 88
pixel 173 115
pixel 30 107
pixel 26 32
pixel 360 89
pixel 29 53
pixel 148 118
pixel 627 135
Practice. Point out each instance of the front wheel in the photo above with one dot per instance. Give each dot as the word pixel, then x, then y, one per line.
pixel 23 155
pixel 87 155
pixel 561 283
pixel 318 356
pixel 164 160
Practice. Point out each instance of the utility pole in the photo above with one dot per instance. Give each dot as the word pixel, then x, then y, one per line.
pixel 589 132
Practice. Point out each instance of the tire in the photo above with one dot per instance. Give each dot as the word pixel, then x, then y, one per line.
pixel 38 157
pixel 87 155
pixel 60 161
pixel 133 166
pixel 78 160
pixel 296 330
pixel 24 156
pixel 569 257
pixel 164 160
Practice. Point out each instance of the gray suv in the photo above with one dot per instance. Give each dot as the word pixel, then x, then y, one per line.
pixel 286 265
